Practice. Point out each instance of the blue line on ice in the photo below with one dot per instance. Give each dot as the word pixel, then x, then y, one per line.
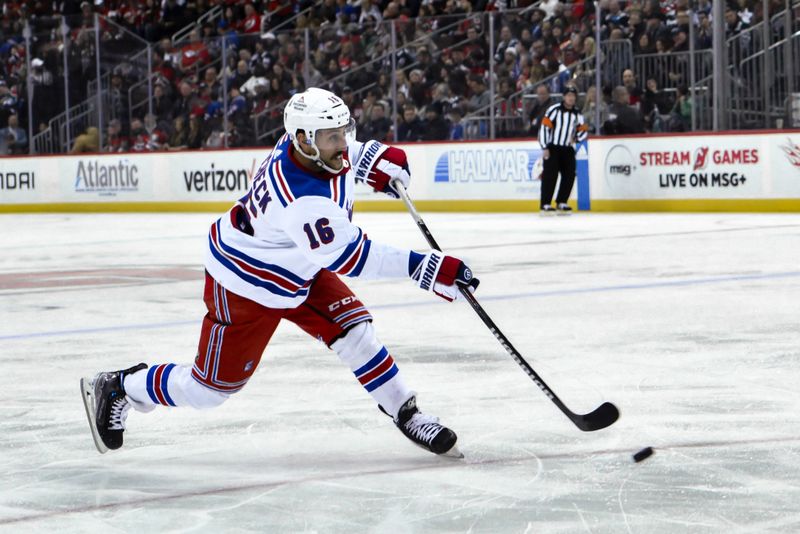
pixel 487 298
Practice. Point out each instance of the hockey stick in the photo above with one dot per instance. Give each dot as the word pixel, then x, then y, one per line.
pixel 604 415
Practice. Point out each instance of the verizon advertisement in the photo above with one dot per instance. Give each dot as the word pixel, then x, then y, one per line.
pixel 742 166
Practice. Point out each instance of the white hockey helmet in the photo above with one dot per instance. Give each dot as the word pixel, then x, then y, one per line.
pixel 313 110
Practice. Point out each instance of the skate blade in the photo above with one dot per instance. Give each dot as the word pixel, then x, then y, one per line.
pixel 454 452
pixel 87 393
pixel 564 213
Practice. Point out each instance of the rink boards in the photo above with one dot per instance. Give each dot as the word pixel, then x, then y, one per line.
pixel 723 172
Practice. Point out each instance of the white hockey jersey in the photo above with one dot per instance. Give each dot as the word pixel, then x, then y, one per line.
pixel 291 224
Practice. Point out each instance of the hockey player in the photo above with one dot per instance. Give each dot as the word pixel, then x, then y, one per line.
pixel 277 255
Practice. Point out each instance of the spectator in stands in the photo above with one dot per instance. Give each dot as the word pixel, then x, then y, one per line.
pixel 539 52
pixel 431 68
pixel 614 16
pixel 511 62
pixel 195 137
pixel 252 20
pixel 417 90
pixel 241 75
pixel 282 80
pixel 636 26
pixel 138 136
pixel 44 92
pixel 262 59
pixel 435 126
pixel 118 93
pixel 703 6
pixel 8 102
pixel 220 137
pixel 480 96
pixel 194 54
pixel 348 97
pixel 654 103
pixel 543 101
pixel 456 127
pixel 156 136
pixel 13 139
pixel 410 128
pixel 378 126
pixel 644 45
pixel 114 140
pixel 211 82
pixel 477 42
pixel 634 92
pixel 622 117
pixel 87 142
pixel 370 13
pixel 703 32
pixel 366 106
pixel 733 22
pixel 682 19
pixel 185 102
pixel 680 40
pixel 162 104
pixel 172 16
pixel 681 115
pixel 455 72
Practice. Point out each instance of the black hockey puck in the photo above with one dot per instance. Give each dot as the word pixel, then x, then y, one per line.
pixel 643 454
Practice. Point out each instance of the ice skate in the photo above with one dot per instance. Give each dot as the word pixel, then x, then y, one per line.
pixel 564 209
pixel 106 407
pixel 547 210
pixel 425 430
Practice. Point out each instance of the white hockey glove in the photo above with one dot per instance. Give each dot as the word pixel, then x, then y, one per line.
pixel 444 275
pixel 380 165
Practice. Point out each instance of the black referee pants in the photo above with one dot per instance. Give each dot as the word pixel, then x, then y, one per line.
pixel 562 159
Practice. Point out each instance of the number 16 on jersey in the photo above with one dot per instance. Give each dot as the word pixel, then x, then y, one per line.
pixel 323 231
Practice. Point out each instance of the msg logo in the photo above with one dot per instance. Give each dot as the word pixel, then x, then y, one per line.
pixel 620 169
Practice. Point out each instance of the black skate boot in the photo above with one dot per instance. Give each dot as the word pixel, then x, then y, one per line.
pixel 563 209
pixel 547 210
pixel 425 430
pixel 106 407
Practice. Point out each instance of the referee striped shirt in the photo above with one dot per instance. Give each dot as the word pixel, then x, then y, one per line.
pixel 562 127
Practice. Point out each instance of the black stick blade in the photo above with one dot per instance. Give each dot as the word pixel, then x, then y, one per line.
pixel 605 415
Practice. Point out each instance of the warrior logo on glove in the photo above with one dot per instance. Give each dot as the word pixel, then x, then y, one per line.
pixel 379 165
pixel 447 274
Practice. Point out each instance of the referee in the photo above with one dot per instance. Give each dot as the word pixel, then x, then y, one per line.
pixel 562 125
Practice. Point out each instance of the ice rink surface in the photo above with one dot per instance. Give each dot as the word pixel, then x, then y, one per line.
pixel 688 323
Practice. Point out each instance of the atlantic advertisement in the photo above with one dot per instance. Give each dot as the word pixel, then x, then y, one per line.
pixel 696 167
pixel 107 178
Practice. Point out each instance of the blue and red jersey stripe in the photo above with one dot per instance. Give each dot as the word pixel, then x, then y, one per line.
pixel 270 277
